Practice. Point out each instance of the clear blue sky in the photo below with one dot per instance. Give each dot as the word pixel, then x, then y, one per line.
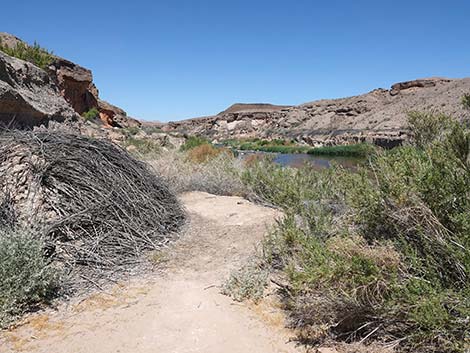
pixel 174 59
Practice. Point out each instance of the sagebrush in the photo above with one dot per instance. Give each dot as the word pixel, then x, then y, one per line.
pixel 380 254
pixel 28 278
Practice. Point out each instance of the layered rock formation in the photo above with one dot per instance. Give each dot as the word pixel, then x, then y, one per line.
pixel 28 96
pixel 377 117
pixel 71 81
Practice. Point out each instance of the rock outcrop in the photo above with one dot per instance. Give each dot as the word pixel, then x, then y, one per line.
pixel 115 116
pixel 377 117
pixel 73 82
pixel 28 96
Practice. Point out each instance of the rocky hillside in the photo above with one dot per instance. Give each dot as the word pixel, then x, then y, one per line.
pixel 378 117
pixel 62 90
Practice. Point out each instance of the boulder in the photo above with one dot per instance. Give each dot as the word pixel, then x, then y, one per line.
pixel 28 95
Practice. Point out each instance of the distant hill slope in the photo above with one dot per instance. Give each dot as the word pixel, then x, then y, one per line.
pixel 378 116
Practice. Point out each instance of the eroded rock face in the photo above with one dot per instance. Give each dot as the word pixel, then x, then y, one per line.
pixel 76 84
pixel 421 83
pixel 73 82
pixel 114 116
pixel 378 117
pixel 28 96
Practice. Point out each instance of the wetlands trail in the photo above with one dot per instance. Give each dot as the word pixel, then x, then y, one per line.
pixel 178 310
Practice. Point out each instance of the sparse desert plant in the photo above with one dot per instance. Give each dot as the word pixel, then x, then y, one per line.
pixel 194 141
pixel 466 101
pixel 27 277
pixel 142 146
pixel 34 54
pixel 91 114
pixel 249 282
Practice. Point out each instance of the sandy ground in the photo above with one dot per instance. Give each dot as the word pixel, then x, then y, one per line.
pixel 178 310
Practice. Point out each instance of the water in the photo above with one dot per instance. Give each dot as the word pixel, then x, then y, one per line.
pixel 298 160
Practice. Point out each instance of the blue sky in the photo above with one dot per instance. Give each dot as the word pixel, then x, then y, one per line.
pixel 175 59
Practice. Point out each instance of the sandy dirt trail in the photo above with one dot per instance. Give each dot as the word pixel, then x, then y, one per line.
pixel 179 310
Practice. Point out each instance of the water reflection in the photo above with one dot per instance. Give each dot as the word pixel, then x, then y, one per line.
pixel 298 160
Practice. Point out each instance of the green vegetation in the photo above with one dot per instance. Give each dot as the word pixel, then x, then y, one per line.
pixel 27 279
pixel 34 54
pixel 466 101
pixel 382 254
pixel 283 146
pixel 141 146
pixel 355 150
pixel 194 141
pixel 93 113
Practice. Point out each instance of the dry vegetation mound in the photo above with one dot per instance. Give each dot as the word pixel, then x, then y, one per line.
pixel 97 207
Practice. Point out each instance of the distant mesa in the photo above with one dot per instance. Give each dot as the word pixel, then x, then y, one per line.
pixel 377 117
pixel 253 107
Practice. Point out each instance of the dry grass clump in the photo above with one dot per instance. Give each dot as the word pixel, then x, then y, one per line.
pixel 219 175
pixel 97 208
pixel 205 152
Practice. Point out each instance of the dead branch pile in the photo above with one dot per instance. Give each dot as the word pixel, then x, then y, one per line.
pixel 97 207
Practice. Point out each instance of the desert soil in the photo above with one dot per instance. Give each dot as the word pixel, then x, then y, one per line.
pixel 178 308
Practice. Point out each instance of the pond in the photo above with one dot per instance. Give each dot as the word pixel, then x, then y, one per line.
pixel 297 160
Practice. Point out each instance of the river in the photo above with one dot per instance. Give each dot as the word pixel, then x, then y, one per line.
pixel 297 160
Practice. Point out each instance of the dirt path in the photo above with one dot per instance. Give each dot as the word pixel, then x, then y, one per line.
pixel 180 310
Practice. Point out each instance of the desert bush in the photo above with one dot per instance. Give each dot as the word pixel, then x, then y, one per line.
pixel 91 114
pixel 141 146
pixel 34 54
pixel 194 141
pixel 289 188
pixel 249 282
pixel 381 254
pixel 466 101
pixel 27 278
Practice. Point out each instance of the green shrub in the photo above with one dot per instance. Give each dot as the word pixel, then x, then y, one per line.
pixel 355 150
pixel 466 101
pixel 283 146
pixel 91 114
pixel 34 54
pixel 27 279
pixel 382 253
pixel 194 141
pixel 142 146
